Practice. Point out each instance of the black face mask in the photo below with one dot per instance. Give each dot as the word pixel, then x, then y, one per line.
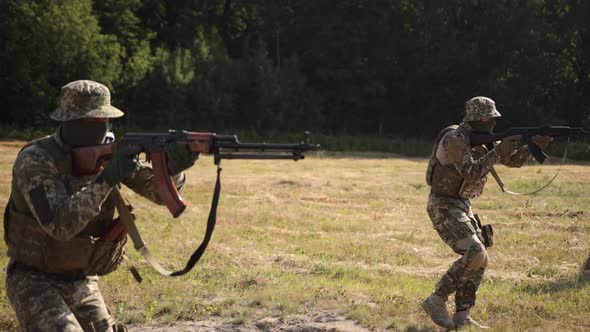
pixel 83 133
pixel 483 127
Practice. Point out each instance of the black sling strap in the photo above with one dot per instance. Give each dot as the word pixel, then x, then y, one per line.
pixel 208 233
pixel 128 221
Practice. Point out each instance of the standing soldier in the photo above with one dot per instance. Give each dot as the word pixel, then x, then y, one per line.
pixel 456 173
pixel 56 224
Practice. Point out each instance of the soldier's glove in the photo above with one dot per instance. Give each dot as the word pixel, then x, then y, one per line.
pixel 179 158
pixel 507 146
pixel 542 141
pixel 121 166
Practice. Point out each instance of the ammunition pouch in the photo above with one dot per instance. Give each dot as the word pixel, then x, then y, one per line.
pixel 487 232
pixel 472 189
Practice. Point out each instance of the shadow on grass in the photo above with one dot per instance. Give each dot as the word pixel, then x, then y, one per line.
pixel 419 329
pixel 576 282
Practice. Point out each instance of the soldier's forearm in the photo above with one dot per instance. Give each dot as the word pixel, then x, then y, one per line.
pixel 472 169
pixel 518 159
pixel 66 216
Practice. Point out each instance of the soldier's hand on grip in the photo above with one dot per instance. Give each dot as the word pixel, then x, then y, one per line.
pixel 542 141
pixel 507 146
pixel 120 167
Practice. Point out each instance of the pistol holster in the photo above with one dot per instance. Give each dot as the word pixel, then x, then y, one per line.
pixel 487 232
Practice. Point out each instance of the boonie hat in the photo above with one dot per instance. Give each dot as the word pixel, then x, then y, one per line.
pixel 85 99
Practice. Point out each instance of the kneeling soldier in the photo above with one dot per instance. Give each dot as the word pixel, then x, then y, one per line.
pixel 57 224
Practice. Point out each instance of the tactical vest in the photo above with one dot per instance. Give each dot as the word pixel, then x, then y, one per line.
pixel 446 180
pixel 91 252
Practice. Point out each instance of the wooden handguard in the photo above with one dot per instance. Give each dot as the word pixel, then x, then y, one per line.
pixel 200 142
pixel 166 189
pixel 89 160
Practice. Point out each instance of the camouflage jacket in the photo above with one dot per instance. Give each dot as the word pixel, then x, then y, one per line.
pixel 70 203
pixel 461 170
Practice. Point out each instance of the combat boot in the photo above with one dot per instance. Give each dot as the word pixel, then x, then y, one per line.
pixel 436 306
pixel 463 319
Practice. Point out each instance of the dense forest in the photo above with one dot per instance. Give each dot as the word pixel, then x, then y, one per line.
pixel 347 67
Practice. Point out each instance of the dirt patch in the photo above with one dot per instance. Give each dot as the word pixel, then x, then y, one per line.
pixel 548 214
pixel 566 214
pixel 300 323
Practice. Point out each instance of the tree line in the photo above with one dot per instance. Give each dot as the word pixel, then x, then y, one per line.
pixel 348 67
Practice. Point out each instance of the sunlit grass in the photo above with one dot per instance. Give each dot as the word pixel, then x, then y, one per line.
pixel 349 234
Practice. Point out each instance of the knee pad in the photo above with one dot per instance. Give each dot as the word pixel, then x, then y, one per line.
pixel 476 257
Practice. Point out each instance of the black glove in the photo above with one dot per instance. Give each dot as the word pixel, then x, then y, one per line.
pixel 179 158
pixel 121 166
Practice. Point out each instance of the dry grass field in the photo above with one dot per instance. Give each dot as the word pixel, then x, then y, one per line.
pixel 347 235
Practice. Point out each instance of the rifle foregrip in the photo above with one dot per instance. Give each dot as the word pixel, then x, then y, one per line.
pixel 166 189
pixel 200 142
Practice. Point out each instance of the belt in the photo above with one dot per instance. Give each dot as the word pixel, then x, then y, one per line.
pixel 62 277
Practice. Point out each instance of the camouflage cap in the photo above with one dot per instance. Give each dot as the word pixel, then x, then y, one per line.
pixel 85 99
pixel 479 108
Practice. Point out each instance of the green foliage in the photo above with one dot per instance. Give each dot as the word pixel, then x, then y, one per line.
pixel 47 44
pixel 343 68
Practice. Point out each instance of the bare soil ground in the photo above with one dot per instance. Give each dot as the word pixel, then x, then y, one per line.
pixel 299 323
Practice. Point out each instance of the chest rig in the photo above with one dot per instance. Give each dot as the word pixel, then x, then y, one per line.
pixel 445 180
pixel 97 250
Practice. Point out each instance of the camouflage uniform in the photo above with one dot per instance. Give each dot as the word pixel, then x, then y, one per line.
pixel 64 207
pixel 458 172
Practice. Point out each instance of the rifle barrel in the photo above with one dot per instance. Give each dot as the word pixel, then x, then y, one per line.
pixel 294 156
pixel 266 146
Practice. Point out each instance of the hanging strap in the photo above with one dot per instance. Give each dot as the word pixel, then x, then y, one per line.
pixel 129 222
pixel 210 227
pixel 503 188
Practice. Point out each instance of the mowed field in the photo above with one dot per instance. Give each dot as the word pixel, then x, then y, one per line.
pixel 347 235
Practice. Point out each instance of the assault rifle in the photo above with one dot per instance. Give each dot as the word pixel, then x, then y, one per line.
pixel 479 138
pixel 89 160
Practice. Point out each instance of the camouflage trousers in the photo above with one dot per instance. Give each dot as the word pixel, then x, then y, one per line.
pixel 453 220
pixel 44 302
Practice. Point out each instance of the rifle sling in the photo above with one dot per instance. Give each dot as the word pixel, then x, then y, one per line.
pixel 501 184
pixel 503 188
pixel 497 178
pixel 210 227
pixel 129 222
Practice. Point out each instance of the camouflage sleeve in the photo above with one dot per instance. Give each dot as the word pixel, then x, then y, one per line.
pixel 61 214
pixel 144 184
pixel 517 159
pixel 460 155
